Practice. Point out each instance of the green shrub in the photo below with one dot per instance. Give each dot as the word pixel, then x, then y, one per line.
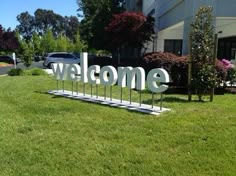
pixel 15 72
pixel 35 72
pixel 231 75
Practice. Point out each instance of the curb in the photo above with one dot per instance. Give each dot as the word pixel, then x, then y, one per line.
pixel 3 75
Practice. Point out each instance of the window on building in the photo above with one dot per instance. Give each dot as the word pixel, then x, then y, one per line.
pixel 227 48
pixel 173 46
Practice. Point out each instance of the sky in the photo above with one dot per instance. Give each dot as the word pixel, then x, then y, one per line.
pixel 9 9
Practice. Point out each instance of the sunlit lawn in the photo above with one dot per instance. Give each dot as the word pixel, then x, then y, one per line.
pixel 41 134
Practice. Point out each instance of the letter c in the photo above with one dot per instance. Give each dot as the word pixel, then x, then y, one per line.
pixel 91 74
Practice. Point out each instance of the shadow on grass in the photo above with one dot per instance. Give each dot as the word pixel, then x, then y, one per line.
pixel 53 96
pixel 65 96
pixel 172 100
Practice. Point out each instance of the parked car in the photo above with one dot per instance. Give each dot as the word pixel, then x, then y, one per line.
pixel 7 59
pixel 37 58
pixel 60 57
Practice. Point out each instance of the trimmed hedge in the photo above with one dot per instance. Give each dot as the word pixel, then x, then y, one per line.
pixel 35 72
pixel 32 72
pixel 15 72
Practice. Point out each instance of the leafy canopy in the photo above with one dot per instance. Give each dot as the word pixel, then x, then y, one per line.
pixel 130 28
pixel 97 15
pixel 44 20
pixel 8 40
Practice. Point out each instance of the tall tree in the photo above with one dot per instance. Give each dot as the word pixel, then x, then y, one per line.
pixel 71 26
pixel 47 19
pixel 44 20
pixel 48 42
pixel 202 75
pixel 79 45
pixel 8 40
pixel 26 27
pixel 130 29
pixel 62 43
pixel 97 14
pixel 36 44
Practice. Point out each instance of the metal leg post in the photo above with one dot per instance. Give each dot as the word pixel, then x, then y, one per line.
pixel 72 87
pixel 161 101
pixel 130 95
pixel 140 98
pixel 111 93
pixel 97 91
pixel 121 94
pixel 63 86
pixel 152 100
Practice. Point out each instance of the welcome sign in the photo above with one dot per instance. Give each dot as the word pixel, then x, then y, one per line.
pixel 108 76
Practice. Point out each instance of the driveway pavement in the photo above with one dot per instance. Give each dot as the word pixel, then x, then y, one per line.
pixel 4 70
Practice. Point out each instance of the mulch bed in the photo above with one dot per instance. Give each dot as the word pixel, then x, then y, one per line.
pixel 231 90
pixel 5 65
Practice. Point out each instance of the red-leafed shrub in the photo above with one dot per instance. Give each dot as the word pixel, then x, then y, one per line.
pixel 174 65
pixel 177 67
pixel 221 72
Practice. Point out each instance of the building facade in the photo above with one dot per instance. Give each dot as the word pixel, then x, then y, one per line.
pixel 173 19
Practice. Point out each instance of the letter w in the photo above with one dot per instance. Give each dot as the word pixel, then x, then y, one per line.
pixel 60 71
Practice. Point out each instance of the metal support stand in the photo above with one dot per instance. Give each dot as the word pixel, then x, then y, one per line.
pixel 161 101
pixel 84 89
pixel 63 86
pixel 72 87
pixel 77 88
pixel 121 94
pixel 130 95
pixel 152 100
pixel 111 93
pixel 57 85
pixel 91 90
pixel 140 98
pixel 105 93
pixel 97 91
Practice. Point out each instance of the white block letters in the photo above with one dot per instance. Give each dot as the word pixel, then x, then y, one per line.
pixel 108 76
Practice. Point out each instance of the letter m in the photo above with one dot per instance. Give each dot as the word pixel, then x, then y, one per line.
pixel 131 77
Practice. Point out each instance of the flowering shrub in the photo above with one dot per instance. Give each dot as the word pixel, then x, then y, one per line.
pixel 227 64
pixel 230 69
pixel 221 73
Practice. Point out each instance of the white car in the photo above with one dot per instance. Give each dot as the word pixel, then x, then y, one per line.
pixel 60 57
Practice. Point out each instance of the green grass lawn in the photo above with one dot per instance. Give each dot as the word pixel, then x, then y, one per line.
pixel 42 134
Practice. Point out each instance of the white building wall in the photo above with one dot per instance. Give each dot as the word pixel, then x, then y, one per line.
pixel 170 13
pixel 227 25
pixel 174 32
pixel 147 4
pixel 174 17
